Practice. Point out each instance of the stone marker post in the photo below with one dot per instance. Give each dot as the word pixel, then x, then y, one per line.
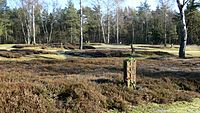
pixel 130 72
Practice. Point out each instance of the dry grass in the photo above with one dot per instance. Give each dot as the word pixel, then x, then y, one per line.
pixel 93 84
pixel 191 50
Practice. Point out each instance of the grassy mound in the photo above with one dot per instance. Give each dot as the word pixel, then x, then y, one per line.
pixel 8 54
pixel 18 53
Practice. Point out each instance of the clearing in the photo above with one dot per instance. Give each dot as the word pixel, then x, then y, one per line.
pixel 47 79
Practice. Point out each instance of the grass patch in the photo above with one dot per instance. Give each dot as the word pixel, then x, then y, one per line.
pixel 177 107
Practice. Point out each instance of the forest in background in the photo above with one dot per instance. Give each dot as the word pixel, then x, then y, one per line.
pixel 105 21
pixel 42 69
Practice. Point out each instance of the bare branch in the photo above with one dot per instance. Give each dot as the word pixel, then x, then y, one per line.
pixel 185 2
pixel 180 6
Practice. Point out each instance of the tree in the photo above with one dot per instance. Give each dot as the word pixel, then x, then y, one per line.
pixel 27 15
pixel 157 26
pixel 98 7
pixel 183 40
pixel 2 16
pixel 171 29
pixel 193 24
pixel 117 2
pixel 165 9
pixel 3 4
pixel 108 16
pixel 183 28
pixel 91 25
pixel 71 20
pixel 144 17
pixel 81 26
pixel 5 23
pixel 33 23
pixel 128 25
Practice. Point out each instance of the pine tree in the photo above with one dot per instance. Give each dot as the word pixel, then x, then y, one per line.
pixel 72 22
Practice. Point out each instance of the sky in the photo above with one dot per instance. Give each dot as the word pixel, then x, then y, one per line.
pixel 135 3
pixel 130 3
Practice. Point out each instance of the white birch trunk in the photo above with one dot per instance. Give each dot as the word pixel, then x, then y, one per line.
pixel 33 23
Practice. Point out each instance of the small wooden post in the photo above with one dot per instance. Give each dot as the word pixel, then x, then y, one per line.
pixel 61 45
pixel 132 49
pixel 130 73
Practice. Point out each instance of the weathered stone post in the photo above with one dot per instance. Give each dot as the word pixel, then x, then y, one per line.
pixel 130 72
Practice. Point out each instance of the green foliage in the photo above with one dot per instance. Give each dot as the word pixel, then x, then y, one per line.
pixel 129 59
pixel 193 22
pixel 3 4
pixel 72 23
pixel 6 23
pixel 90 25
pixel 141 25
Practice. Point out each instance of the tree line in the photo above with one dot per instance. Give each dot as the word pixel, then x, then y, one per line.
pixel 105 21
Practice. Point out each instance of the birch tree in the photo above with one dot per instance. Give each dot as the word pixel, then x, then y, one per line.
pixel 109 9
pixel 48 20
pixel 98 8
pixel 27 16
pixel 183 35
pixel 117 17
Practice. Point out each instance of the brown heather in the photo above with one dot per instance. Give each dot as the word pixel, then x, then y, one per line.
pixel 93 84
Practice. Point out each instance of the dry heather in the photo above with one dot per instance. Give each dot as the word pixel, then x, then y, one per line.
pixel 18 53
pixel 93 84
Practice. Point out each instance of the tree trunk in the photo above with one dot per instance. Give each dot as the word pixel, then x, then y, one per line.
pixel 51 31
pixel 28 27
pixel 108 34
pixel 23 31
pixel 183 40
pixel 103 31
pixel 6 36
pixel 71 39
pixel 146 27
pixel 81 25
pixel 99 33
pixel 133 36
pixel 28 36
pixel 33 23
pixel 117 25
pixel 165 30
pixel 44 27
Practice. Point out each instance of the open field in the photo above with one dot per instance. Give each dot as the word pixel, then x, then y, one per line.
pixel 33 79
pixel 142 51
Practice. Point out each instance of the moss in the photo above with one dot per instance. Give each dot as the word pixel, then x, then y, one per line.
pixel 130 59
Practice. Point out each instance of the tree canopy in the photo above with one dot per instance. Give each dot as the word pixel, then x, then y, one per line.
pixel 101 23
